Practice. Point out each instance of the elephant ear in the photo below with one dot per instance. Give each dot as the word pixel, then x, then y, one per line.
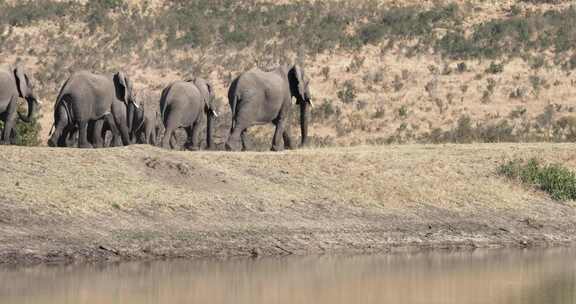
pixel 211 97
pixel 123 87
pixel 22 81
pixel 299 75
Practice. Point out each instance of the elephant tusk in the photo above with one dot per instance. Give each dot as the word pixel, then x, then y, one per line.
pixel 214 113
pixel 311 104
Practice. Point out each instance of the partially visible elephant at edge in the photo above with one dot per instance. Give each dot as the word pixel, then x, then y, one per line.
pixel 260 97
pixel 15 83
pixel 87 98
pixel 183 105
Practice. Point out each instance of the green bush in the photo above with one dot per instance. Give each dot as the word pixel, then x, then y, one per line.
pixel 554 179
pixel 27 134
pixel 408 22
pixel 495 68
pixel 348 93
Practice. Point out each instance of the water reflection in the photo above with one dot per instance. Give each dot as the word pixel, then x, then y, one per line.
pixel 464 277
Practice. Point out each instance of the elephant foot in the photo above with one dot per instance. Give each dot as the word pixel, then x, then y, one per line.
pixel 191 148
pixel 85 146
pixel 277 148
pixel 230 147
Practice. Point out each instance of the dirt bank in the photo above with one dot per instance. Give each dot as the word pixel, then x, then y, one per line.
pixel 144 202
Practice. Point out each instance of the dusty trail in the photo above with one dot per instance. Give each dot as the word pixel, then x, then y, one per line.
pixel 144 202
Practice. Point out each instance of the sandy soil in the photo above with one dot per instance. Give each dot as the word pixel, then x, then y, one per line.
pixel 63 205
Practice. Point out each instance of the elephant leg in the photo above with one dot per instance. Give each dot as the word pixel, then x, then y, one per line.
pixel 172 123
pixel 9 121
pixel 287 139
pixel 167 140
pixel 124 135
pixel 277 139
pixel 151 138
pixel 13 136
pixel 244 140
pixel 191 140
pixel 56 139
pixel 236 138
pixel 196 136
pixel 97 141
pixel 173 141
pixel 69 137
pixel 117 137
pixel 83 134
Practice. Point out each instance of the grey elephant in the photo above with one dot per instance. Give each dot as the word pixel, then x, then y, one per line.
pixel 260 97
pixel 146 126
pixel 15 83
pixel 87 98
pixel 183 104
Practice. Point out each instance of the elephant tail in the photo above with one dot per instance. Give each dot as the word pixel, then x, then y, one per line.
pixel 163 104
pixel 233 106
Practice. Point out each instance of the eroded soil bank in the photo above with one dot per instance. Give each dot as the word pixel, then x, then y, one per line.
pixel 67 205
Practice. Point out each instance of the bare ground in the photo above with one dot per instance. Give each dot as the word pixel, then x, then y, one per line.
pixel 64 205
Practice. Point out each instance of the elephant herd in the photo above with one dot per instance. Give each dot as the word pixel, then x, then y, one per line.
pixel 90 106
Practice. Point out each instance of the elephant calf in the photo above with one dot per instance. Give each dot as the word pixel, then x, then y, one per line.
pixel 182 105
pixel 15 83
pixel 259 97
pixel 146 126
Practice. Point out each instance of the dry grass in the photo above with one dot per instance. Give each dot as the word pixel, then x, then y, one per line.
pixel 145 201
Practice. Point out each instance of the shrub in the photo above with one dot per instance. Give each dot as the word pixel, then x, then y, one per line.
pixel 464 131
pixel 348 93
pixel 27 134
pixel 403 111
pixel 409 22
pixel 324 111
pixel 495 68
pixel 554 179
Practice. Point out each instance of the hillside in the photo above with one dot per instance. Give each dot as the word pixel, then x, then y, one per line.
pixel 144 202
pixel 382 71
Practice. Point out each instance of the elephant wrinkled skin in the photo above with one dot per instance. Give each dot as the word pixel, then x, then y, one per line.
pixel 259 97
pixel 87 98
pixel 182 105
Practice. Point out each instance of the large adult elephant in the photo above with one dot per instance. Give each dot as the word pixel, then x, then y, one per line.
pixel 89 98
pixel 15 83
pixel 183 105
pixel 259 97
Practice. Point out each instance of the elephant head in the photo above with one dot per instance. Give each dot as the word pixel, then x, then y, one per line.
pixel 125 93
pixel 25 86
pixel 300 89
pixel 208 94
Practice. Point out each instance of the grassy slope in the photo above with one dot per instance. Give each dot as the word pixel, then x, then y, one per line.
pixel 141 201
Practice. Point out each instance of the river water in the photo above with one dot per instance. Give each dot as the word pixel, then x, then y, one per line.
pixel 435 277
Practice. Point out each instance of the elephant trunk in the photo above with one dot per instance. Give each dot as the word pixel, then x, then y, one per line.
pixel 304 118
pixel 209 131
pixel 31 108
